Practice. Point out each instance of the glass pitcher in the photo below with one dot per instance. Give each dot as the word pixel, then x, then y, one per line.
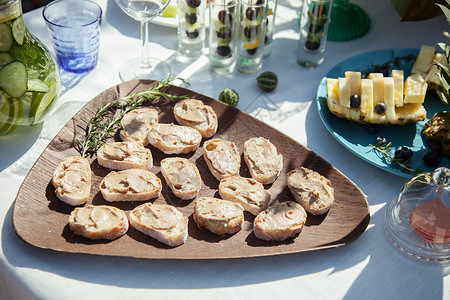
pixel 29 78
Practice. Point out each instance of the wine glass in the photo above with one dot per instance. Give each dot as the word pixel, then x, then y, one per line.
pixel 144 67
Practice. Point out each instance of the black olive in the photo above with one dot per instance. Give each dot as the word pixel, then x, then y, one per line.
pixel 225 17
pixel 193 34
pixel 223 51
pixel 432 159
pixel 190 18
pixel 381 140
pixel 355 100
pixel 231 9
pixel 251 13
pixel 250 32
pixel 312 45
pixel 318 10
pixel 314 28
pixel 403 153
pixel 380 108
pixel 193 3
pixel 252 51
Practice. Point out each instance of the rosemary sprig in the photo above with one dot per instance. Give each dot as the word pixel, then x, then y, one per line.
pixel 103 124
pixel 385 151
pixel 384 68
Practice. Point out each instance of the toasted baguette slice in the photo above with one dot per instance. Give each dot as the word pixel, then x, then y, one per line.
pixel 262 159
pixel 182 177
pixel 222 157
pixel 125 155
pixel 312 190
pixel 246 191
pixel 72 180
pixel 174 139
pixel 137 123
pixel 98 222
pixel 195 114
pixel 130 185
pixel 217 215
pixel 280 222
pixel 162 222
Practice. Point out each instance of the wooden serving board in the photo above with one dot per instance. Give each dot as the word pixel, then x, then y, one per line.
pixel 40 219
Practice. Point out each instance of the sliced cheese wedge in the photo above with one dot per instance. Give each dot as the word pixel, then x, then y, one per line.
pixel 424 60
pixel 389 99
pixel 378 87
pixel 415 89
pixel 355 82
pixel 398 87
pixel 344 91
pixel 367 98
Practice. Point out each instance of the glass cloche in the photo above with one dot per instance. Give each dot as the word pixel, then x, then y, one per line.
pixel 418 221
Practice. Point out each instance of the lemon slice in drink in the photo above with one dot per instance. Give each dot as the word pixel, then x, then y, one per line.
pixel 171 10
pixel 252 45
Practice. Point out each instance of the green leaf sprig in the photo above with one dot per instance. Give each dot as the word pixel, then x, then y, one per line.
pixel 102 126
pixel 395 61
pixel 385 151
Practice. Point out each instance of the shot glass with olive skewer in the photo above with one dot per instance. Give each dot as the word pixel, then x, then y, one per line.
pixel 313 32
pixel 191 27
pixel 252 26
pixel 222 36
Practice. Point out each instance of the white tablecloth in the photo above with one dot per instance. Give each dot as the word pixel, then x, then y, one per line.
pixel 368 268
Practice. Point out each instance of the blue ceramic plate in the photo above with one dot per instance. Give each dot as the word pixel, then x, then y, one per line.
pixel 357 139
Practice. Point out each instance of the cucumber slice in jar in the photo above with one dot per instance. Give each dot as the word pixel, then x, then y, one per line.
pixel 6 39
pixel 5 58
pixel 18 30
pixel 13 79
pixel 37 85
pixel 14 110
pixel 42 101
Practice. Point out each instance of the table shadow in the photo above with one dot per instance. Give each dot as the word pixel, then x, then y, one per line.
pixel 150 274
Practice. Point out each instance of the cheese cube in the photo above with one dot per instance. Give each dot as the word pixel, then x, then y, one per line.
pixel 344 91
pixel 332 97
pixel 389 99
pixel 415 89
pixel 367 97
pixel 398 87
pixel 378 89
pixel 424 60
pixel 355 82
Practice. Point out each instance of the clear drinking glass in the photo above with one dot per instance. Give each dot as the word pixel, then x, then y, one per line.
pixel 270 26
pixel 145 67
pixel 222 35
pixel 74 26
pixel 314 22
pixel 252 27
pixel 191 27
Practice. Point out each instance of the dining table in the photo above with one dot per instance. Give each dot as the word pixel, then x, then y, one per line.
pixel 368 267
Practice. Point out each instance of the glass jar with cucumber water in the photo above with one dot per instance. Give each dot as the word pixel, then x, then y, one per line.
pixel 29 76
